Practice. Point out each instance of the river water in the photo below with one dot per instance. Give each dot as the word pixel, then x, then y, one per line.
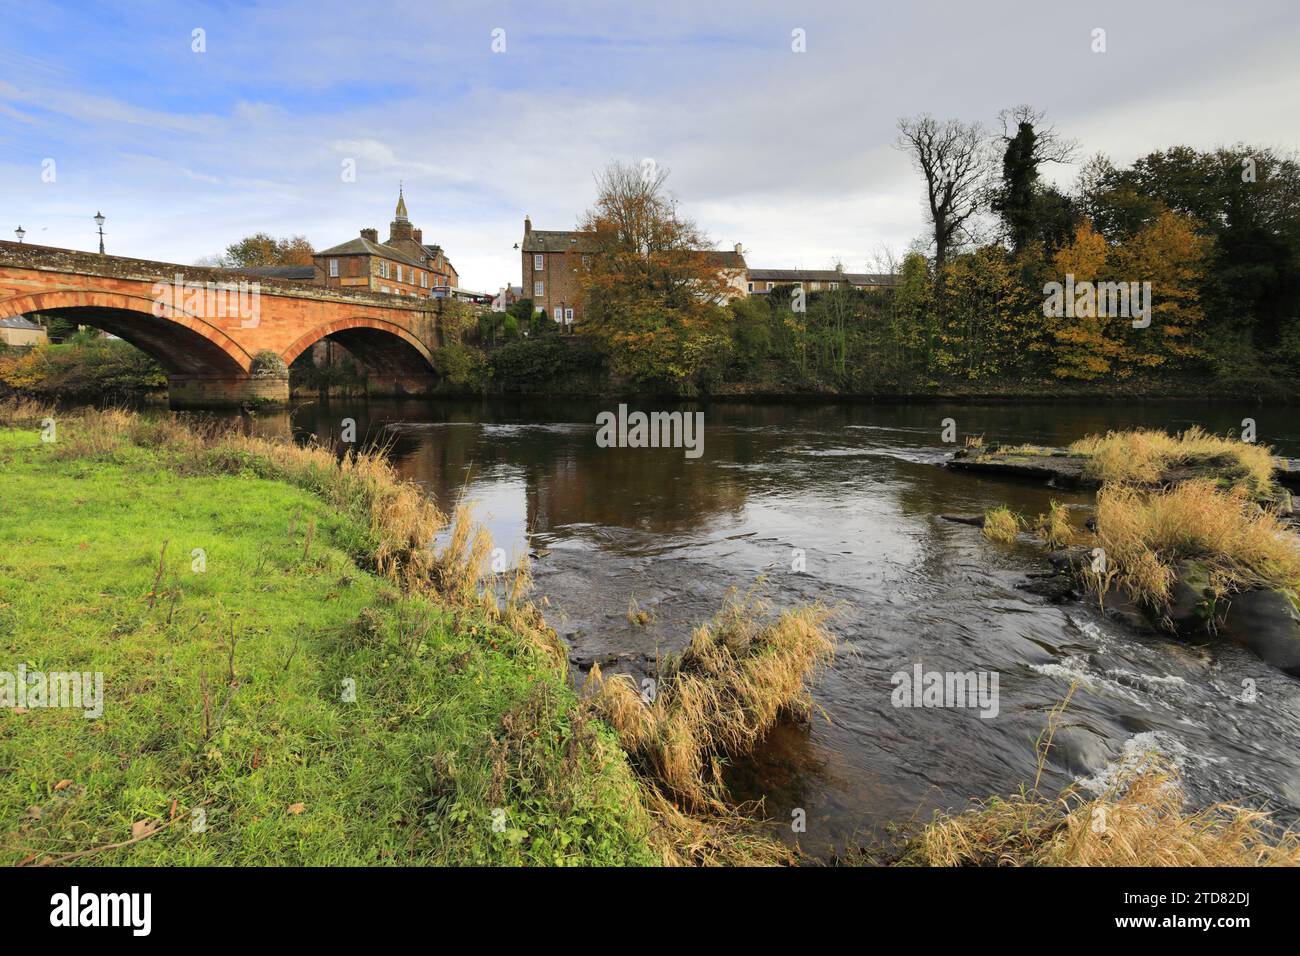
pixel 858 489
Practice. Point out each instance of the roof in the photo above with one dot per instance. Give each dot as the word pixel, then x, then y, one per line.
pixel 434 251
pixel 821 275
pixel 553 240
pixel 364 247
pixel 279 272
pixel 725 259
pixel 18 322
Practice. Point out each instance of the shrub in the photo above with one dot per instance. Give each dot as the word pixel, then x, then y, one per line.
pixel 268 364
pixel 87 367
pixel 461 365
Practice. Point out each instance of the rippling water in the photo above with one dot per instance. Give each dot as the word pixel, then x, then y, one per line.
pixel 859 489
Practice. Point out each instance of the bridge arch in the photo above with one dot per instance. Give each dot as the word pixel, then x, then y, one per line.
pixel 385 347
pixel 181 342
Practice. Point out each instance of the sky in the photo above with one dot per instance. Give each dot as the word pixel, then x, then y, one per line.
pixel 776 120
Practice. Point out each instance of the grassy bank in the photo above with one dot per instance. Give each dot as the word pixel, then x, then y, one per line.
pixel 229 672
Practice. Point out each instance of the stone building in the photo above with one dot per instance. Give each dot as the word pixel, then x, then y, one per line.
pixel 403 265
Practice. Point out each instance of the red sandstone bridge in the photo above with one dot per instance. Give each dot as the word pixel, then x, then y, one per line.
pixel 216 347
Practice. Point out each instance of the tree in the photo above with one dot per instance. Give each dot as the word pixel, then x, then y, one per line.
pixel 650 296
pixel 1024 205
pixel 261 249
pixel 953 158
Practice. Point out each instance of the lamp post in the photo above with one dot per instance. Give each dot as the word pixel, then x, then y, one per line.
pixel 20 232
pixel 99 220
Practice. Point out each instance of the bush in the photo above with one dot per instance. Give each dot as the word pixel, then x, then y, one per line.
pixel 268 364
pixel 84 368
pixel 534 363
pixel 461 366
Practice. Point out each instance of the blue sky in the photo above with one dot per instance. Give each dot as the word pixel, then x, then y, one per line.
pixel 788 153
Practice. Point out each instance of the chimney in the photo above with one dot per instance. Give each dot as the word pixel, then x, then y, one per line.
pixel 371 234
pixel 418 235
pixel 528 224
pixel 737 248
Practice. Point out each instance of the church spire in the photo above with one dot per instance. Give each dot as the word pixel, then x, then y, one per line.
pixel 401 205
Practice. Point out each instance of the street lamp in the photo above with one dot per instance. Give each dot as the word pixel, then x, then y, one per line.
pixel 99 220
pixel 20 232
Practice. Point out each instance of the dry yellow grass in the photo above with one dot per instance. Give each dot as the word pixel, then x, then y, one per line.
pixel 1140 821
pixel 1146 533
pixel 740 672
pixel 1146 456
pixel 1054 527
pixel 1001 525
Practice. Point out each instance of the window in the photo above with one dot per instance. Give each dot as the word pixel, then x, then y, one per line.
pixel 559 314
pixel 835 285
pixel 537 262
pixel 399 273
pixel 771 286
pixel 334 268
pixel 751 287
pixel 424 280
pixel 568 316
pixel 383 269
pixel 539 289
pixel 384 289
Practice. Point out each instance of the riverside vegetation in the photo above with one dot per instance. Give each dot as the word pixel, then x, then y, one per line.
pixel 227 682
pixel 1215 234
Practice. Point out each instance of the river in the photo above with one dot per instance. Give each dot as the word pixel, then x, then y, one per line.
pixel 858 489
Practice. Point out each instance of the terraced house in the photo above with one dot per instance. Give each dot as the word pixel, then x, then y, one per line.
pixel 403 265
pixel 763 281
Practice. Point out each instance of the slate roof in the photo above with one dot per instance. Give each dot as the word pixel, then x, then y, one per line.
pixel 364 247
pixel 19 322
pixel 555 240
pixel 552 240
pixel 821 275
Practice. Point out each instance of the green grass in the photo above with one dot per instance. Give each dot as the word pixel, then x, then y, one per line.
pixel 455 716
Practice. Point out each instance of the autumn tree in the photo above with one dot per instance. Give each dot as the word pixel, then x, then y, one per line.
pixel 261 249
pixel 1084 346
pixel 1171 255
pixel 651 293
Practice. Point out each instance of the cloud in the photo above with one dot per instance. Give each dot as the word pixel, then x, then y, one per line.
pixel 788 153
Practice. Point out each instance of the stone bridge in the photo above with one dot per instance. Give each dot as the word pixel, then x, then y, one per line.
pixel 222 336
